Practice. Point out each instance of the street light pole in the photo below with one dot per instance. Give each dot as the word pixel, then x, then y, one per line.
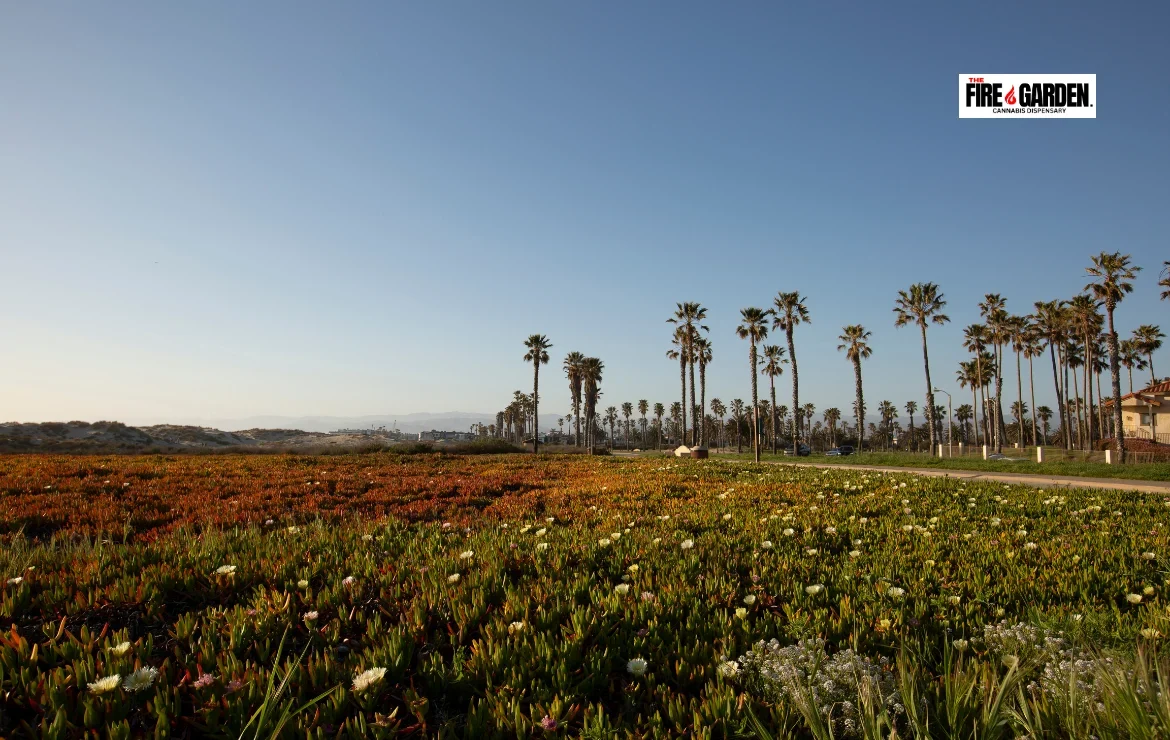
pixel 950 422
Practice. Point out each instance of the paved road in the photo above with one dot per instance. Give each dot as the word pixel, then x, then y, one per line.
pixel 1028 479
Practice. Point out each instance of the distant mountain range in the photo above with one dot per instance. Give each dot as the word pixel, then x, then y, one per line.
pixel 448 421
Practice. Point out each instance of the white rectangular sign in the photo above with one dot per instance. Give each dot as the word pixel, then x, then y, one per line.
pixel 1027 96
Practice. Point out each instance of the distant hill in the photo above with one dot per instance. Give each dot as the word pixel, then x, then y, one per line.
pixel 448 421
pixel 102 437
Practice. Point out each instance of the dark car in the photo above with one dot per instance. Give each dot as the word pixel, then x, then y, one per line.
pixel 842 450
pixel 803 451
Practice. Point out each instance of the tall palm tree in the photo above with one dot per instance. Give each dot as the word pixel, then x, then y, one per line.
pixel 1164 280
pixel 887 411
pixel 659 412
pixel 855 345
pixel 773 366
pixel 790 312
pixel 703 354
pixel 911 407
pixel 538 347
pixel 1131 358
pixel 968 376
pixel 994 312
pixel 1045 415
pixel 611 417
pixel 643 409
pixel 682 341
pixel 572 366
pixel 1033 348
pixel 1086 322
pixel 1113 278
pixel 1050 321
pixel 964 414
pixel 591 372
pixel 688 317
pixel 1149 340
pixel 737 411
pixel 1019 334
pixel 754 328
pixel 806 413
pixel 975 338
pixel 832 416
pixel 627 412
pixel 718 410
pixel 920 305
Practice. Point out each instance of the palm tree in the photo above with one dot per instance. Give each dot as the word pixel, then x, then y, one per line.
pixel 832 416
pixel 993 309
pixel 659 412
pixel 855 345
pixel 1050 320
pixel 1149 340
pixel 643 409
pixel 806 413
pixel 1086 321
pixel 538 346
pixel 975 339
pixel 1164 280
pixel 687 317
pixel 754 328
pixel 718 410
pixel 1019 334
pixel 1045 415
pixel 790 312
pixel 964 414
pixel 968 377
pixel 681 341
pixel 1113 279
pixel 572 366
pixel 773 367
pixel 611 416
pixel 887 411
pixel 1131 358
pixel 737 409
pixel 591 372
pixel 627 412
pixel 1033 347
pixel 922 304
pixel 704 355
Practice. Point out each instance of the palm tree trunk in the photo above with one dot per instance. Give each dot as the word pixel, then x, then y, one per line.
pixel 1020 401
pixel 1000 429
pixel 1101 430
pixel 975 410
pixel 860 405
pixel 1032 390
pixel 1077 406
pixel 1065 420
pixel 929 394
pixel 795 386
pixel 772 380
pixel 682 373
pixel 1129 368
pixel 703 402
pixel 1150 358
pixel 535 401
pixel 755 405
pixel 1088 393
pixel 1115 377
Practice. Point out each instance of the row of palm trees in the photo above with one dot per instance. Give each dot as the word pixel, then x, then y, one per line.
pixel 1073 331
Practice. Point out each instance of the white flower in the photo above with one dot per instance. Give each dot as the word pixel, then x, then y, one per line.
pixel 830 530
pixel 311 616
pixel 896 592
pixel 367 538
pixel 525 528
pixel 550 519
pixel 15 581
pixel 366 679
pixel 954 600
pixel 467 555
pixel 1133 598
pixel 907 528
pixel 814 589
pixel 855 553
pixel 294 529
pixel 729 669
pixel 225 570
pixel 121 648
pixel 542 546
pixel 656 540
pixel 453 578
pixel 1149 555
pixel 766 544
pixel 1148 590
pixel 637 667
pixel 1030 545
pixel 811 551
pixel 348 581
pixel 604 542
pixel 302 583
pixel 960 645
pixel 749 599
pixel 633 568
pixel 1150 633
pixel 515 627
pixel 929 563
pixel 143 678
pixel 687 544
pixel 789 532
pixel 741 613
pixel 103 685
pixel 622 588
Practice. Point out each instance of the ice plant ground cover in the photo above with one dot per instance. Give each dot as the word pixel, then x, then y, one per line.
pixel 570 596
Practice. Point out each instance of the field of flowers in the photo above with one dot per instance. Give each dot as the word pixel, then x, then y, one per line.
pixel 418 596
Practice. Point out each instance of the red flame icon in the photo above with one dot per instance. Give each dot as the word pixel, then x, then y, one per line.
pixel 1011 96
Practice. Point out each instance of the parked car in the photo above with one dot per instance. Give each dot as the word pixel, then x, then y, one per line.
pixel 842 450
pixel 1001 457
pixel 803 451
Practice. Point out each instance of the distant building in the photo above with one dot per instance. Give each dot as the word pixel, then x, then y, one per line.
pixel 436 436
pixel 1145 414
pixel 364 432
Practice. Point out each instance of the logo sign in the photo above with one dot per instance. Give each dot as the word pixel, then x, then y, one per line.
pixel 1027 96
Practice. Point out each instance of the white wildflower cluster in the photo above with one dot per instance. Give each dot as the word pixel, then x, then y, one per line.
pixel 1065 672
pixel 836 685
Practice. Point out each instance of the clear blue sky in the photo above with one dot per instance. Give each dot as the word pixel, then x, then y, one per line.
pixel 223 209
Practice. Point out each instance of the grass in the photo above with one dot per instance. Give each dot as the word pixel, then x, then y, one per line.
pixel 1141 471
